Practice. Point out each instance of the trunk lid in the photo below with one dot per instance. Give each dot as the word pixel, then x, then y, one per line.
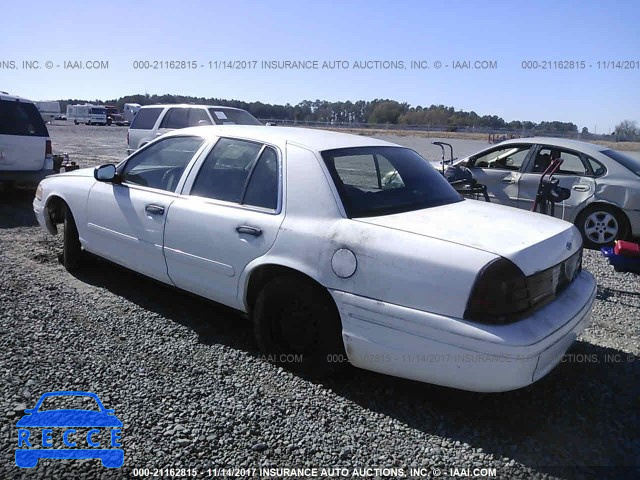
pixel 534 242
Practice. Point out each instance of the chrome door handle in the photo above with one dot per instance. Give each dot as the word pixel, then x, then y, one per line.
pixel 154 209
pixel 255 231
pixel 508 180
pixel 580 188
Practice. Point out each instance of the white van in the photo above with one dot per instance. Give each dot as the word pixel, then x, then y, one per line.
pixel 88 114
pixel 129 111
pixel 25 146
pixel 154 120
pixel 49 109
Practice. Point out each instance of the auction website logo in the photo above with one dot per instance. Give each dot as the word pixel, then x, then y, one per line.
pixel 42 430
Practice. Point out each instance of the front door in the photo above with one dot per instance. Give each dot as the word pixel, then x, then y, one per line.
pixel 500 170
pixel 126 219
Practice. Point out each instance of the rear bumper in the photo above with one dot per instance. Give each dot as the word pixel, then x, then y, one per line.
pixel 452 352
pixel 25 177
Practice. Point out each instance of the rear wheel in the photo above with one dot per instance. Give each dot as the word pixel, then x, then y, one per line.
pixel 602 225
pixel 71 250
pixel 297 324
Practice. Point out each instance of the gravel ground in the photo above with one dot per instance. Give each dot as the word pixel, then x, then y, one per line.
pixel 192 391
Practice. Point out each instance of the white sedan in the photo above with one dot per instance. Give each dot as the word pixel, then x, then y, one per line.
pixel 340 248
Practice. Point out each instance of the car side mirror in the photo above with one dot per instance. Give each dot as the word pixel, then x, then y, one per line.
pixel 105 173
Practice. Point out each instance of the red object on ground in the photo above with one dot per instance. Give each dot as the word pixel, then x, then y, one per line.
pixel 627 249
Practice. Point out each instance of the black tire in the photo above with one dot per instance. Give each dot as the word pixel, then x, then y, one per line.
pixel 71 250
pixel 75 122
pixel 601 225
pixel 297 325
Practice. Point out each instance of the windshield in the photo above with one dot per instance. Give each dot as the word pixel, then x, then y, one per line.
pixel 98 111
pixel 627 161
pixel 229 116
pixel 385 180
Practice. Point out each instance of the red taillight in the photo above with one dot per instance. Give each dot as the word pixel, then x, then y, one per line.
pixel 499 294
pixel 47 149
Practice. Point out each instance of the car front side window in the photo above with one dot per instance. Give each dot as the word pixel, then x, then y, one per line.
pixel 161 164
pixel 509 157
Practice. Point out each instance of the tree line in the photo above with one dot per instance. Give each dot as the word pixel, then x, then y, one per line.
pixel 378 111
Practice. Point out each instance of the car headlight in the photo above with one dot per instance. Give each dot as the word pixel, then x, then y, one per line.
pixel 39 192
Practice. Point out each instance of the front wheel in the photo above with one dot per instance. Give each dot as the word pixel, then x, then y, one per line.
pixel 601 226
pixel 297 324
pixel 71 250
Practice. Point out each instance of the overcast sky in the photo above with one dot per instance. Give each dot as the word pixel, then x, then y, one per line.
pixel 507 33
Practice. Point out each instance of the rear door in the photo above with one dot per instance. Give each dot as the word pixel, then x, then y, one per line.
pixel 500 169
pixel 23 136
pixel 229 214
pixel 126 220
pixel 575 173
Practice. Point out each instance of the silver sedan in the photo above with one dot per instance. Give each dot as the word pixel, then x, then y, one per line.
pixel 605 184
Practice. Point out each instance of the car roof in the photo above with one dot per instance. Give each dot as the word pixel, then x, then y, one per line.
pixel 585 147
pixel 187 105
pixel 312 138
pixel 7 96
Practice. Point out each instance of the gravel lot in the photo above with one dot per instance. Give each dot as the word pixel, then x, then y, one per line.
pixel 192 391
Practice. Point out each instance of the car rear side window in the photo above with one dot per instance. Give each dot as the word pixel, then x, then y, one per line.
pixel 161 164
pixel 176 118
pixel 262 189
pixel 224 173
pixel 198 117
pixel 571 164
pixel 20 118
pixel 596 167
pixel 229 116
pixel 146 118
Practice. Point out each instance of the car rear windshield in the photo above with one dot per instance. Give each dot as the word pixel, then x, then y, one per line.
pixel 146 118
pixel 229 116
pixel 21 118
pixel 375 181
pixel 627 161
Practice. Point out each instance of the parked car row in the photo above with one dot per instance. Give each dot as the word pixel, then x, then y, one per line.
pixel 154 120
pixel 342 247
pixel 296 228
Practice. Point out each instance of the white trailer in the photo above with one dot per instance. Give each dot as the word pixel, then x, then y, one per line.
pixel 49 109
pixel 88 114
pixel 129 111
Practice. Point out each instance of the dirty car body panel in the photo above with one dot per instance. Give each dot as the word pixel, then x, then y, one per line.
pixel 410 302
